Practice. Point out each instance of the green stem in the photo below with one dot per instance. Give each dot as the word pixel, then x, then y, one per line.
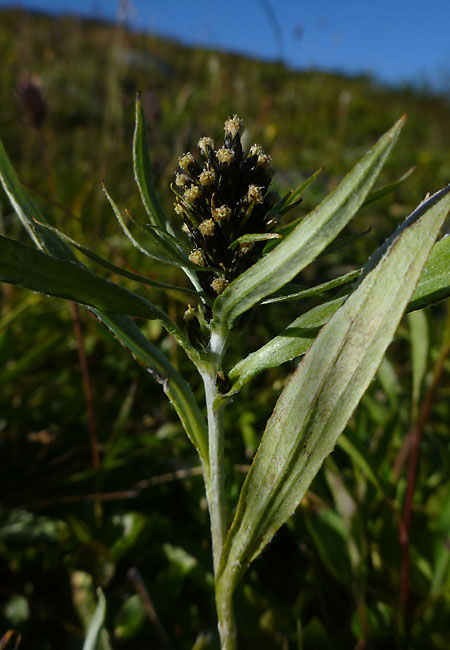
pixel 215 484
pixel 227 625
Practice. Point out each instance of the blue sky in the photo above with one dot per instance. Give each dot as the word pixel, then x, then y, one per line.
pixel 395 40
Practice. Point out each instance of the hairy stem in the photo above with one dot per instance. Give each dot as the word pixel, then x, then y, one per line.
pixel 216 482
pixel 215 485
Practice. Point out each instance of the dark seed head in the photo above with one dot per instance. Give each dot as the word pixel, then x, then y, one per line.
pixel 220 199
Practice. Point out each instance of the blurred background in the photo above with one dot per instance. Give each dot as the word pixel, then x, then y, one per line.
pixel 99 484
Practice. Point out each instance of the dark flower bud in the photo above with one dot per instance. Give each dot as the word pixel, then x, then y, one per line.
pixel 193 329
pixel 223 383
pixel 221 200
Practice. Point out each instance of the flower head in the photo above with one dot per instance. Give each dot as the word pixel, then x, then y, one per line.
pixel 232 126
pixel 225 195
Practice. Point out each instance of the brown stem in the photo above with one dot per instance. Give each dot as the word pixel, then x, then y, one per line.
pixel 135 577
pixel 414 446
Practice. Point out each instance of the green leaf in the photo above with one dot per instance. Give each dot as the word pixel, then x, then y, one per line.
pixel 143 170
pixel 295 196
pixel 40 272
pixel 171 255
pixel 307 240
pixel 287 203
pixel 117 269
pixel 387 189
pixel 434 284
pixel 27 211
pixel 340 242
pixel 296 339
pixel 176 388
pixel 325 389
pixel 254 237
pixel 317 290
pixel 361 458
pixel 96 623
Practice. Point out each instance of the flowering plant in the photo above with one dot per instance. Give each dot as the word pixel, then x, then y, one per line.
pixel 238 253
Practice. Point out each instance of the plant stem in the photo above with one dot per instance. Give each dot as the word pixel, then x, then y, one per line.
pixel 227 625
pixel 215 485
pixel 216 482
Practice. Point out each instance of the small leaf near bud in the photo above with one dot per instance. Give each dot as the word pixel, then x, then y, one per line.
pixel 189 314
pixel 207 227
pixel 193 329
pixel 196 257
pixel 232 126
pixel 225 156
pixel 219 285
pixel 223 382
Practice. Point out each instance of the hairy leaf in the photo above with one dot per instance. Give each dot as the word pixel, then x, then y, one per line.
pixel 176 388
pixel 297 337
pixel 166 253
pixel 117 269
pixel 38 271
pixel 295 340
pixel 308 239
pixel 322 394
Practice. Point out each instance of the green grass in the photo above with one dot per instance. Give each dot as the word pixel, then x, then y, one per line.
pixel 337 564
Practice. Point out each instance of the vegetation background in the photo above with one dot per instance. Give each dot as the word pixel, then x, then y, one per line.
pixel 99 483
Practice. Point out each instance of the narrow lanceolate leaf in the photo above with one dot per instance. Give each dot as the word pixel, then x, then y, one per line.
pixel 250 238
pixel 176 388
pixel 297 337
pixel 317 290
pixel 27 210
pixel 143 170
pixel 325 389
pixel 96 624
pixel 308 239
pixel 165 253
pixel 387 189
pixel 40 272
pixel 296 195
pixel 294 341
pixel 117 269
pixel 434 284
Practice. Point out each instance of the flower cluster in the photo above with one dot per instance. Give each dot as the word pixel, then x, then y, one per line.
pixel 221 199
